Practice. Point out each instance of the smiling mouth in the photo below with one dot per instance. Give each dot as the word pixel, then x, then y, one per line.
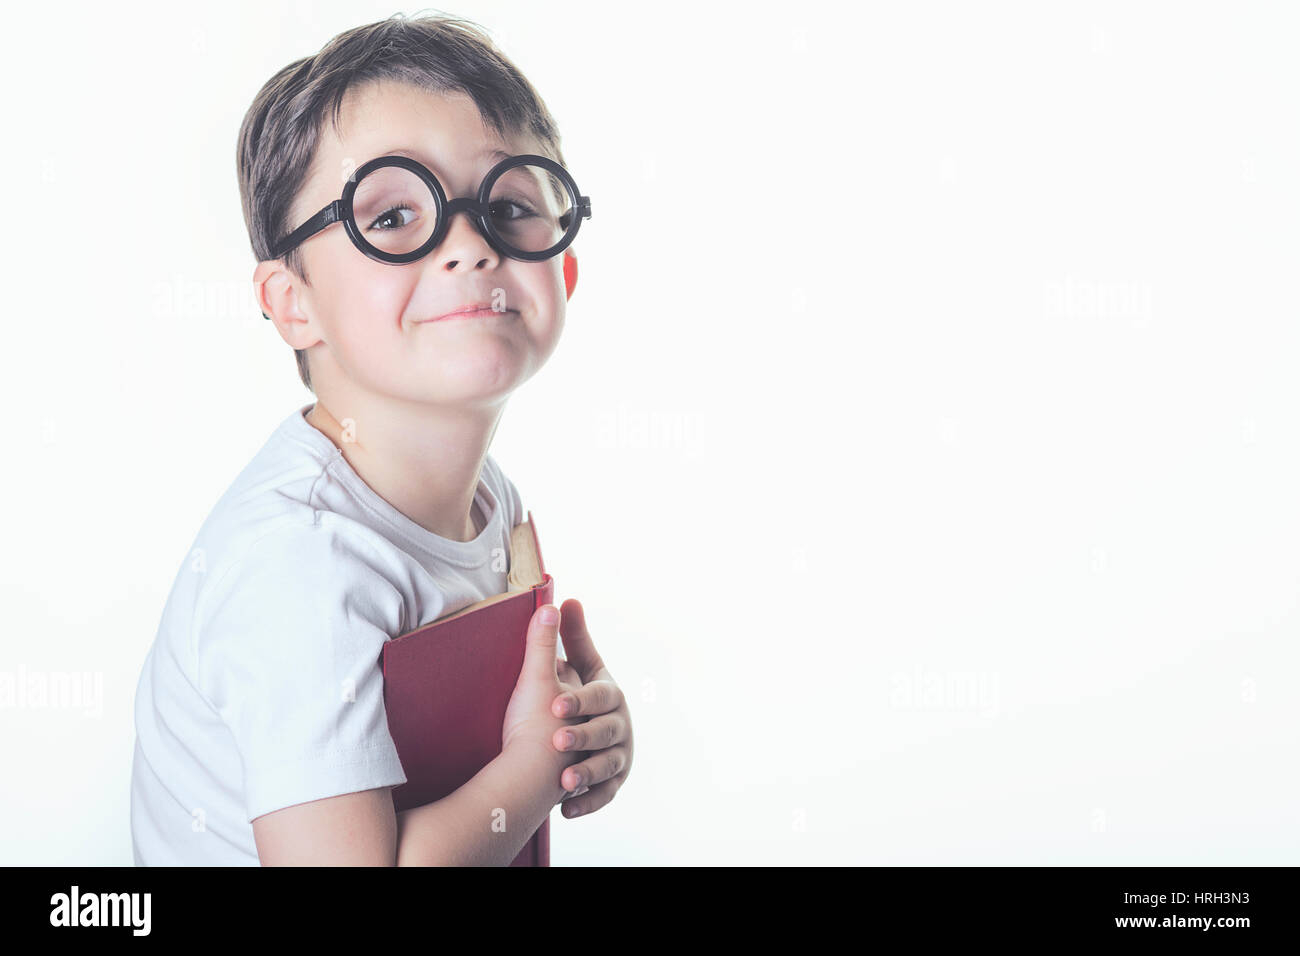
pixel 469 314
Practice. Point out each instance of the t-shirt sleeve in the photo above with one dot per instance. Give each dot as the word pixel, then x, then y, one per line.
pixel 287 648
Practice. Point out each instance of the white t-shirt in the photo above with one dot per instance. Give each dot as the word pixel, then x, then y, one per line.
pixel 263 687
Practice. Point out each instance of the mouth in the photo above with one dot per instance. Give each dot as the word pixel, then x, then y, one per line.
pixel 471 312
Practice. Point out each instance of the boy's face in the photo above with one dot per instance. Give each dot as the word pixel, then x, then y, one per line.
pixel 373 316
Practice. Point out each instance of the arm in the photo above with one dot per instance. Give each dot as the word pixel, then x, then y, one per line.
pixel 517 790
pixel 352 829
pixel 464 827
pixel 361 829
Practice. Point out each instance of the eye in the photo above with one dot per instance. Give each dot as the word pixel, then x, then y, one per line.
pixel 502 205
pixel 394 213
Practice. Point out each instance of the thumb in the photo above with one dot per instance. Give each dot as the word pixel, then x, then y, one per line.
pixel 540 654
pixel 579 649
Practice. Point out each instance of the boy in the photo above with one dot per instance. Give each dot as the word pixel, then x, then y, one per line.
pixel 261 735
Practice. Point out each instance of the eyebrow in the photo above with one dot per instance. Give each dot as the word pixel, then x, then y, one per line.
pixel 492 154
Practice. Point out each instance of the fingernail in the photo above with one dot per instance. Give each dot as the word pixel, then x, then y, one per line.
pixel 568 707
pixel 568 739
pixel 550 615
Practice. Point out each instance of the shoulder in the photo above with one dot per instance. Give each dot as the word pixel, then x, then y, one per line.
pixel 277 490
pixel 306 555
pixel 301 587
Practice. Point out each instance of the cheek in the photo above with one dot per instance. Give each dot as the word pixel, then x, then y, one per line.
pixel 365 301
pixel 546 288
pixel 546 324
pixel 557 279
pixel 363 286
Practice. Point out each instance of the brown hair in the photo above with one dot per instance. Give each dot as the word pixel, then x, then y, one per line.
pixel 280 131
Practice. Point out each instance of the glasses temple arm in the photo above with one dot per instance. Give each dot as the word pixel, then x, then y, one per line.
pixel 330 214
pixel 584 209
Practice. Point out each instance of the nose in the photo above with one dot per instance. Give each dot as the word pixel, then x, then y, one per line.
pixel 463 242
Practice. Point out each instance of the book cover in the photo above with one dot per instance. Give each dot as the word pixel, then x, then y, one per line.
pixel 447 685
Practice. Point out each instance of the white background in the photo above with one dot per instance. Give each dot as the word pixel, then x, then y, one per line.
pixel 924 440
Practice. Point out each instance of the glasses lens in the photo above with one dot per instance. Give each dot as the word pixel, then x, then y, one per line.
pixel 531 208
pixel 395 210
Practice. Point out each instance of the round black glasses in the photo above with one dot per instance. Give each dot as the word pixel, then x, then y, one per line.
pixel 394 210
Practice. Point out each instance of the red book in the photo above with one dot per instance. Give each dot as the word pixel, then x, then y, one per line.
pixel 447 684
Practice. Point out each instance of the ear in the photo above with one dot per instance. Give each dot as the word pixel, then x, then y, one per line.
pixel 570 272
pixel 278 300
pixel 261 291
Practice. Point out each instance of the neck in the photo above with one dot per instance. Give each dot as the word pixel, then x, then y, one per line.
pixel 423 461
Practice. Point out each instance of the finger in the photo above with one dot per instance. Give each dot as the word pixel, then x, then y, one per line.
pixel 596 697
pixel 591 801
pixel 597 768
pixel 578 646
pixel 570 684
pixel 598 733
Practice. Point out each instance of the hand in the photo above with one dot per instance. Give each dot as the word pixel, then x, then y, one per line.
pixel 529 720
pixel 606 731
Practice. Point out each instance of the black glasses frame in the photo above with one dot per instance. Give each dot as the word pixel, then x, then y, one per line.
pixel 340 210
